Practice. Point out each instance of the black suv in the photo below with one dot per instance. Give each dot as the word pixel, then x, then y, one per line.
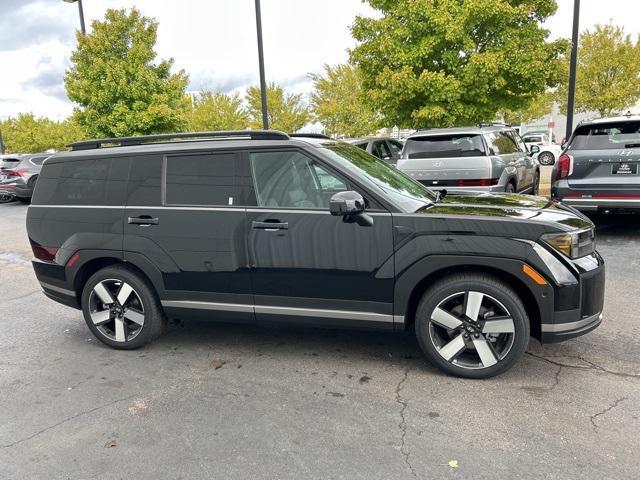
pixel 262 227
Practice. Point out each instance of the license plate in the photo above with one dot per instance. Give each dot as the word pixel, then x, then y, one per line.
pixel 624 169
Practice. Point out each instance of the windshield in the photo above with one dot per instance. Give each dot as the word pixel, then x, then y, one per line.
pixel 607 135
pixel 445 146
pixel 408 194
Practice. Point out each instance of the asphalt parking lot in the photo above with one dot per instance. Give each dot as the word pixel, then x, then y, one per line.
pixel 212 400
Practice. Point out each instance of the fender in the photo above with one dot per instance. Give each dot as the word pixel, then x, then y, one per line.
pixel 411 278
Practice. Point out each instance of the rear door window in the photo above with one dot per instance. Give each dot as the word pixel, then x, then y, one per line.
pixel 603 136
pixel 380 149
pixel 204 179
pixel 445 146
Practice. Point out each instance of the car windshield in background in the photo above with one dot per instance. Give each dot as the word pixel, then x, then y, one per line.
pixel 533 139
pixel 445 146
pixel 406 192
pixel 607 135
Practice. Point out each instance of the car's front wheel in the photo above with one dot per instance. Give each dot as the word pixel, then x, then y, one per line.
pixel 121 308
pixel 472 325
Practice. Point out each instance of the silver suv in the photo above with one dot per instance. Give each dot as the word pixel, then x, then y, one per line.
pixel 487 157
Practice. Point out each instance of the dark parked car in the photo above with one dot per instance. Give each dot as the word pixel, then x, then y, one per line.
pixel 257 226
pixel 19 178
pixel 599 169
pixel 387 149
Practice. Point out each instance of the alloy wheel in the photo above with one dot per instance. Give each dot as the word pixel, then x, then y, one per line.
pixel 545 158
pixel 472 330
pixel 116 310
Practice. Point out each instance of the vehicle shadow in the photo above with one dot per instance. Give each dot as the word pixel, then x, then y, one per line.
pixel 616 226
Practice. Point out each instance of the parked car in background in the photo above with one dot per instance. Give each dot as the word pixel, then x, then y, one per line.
pixel 549 151
pixel 8 161
pixel 387 149
pixel 487 157
pixel 600 167
pixel 19 178
pixel 261 227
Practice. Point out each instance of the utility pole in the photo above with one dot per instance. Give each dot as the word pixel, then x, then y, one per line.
pixel 572 68
pixel 263 86
pixel 81 12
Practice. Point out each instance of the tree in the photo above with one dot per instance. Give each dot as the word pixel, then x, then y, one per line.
pixel 608 72
pixel 338 102
pixel 218 111
pixel 28 134
pixel 538 108
pixel 286 111
pixel 454 62
pixel 117 83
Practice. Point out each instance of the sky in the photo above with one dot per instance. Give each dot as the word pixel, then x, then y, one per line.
pixel 214 41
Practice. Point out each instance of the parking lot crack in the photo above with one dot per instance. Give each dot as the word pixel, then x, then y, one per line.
pixel 19 297
pixel 589 365
pixel 68 419
pixel 603 412
pixel 403 422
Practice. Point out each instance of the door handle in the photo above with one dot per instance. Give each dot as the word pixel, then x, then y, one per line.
pixel 270 226
pixel 143 220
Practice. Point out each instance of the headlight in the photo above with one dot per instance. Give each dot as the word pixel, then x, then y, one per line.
pixel 572 244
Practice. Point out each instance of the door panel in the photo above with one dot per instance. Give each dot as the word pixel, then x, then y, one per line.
pixel 312 266
pixel 199 248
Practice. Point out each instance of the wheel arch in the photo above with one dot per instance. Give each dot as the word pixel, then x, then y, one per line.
pixel 408 303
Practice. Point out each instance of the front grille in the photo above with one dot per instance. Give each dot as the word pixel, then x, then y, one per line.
pixel 592 294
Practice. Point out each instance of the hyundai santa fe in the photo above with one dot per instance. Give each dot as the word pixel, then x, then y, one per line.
pixel 258 226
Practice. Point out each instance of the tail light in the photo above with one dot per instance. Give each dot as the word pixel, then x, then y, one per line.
pixel 15 173
pixel 480 182
pixel 565 166
pixel 46 254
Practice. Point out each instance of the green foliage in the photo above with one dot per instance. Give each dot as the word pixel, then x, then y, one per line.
pixel 218 111
pixel 286 111
pixel 454 62
pixel 339 102
pixel 608 72
pixel 119 87
pixel 28 134
pixel 538 108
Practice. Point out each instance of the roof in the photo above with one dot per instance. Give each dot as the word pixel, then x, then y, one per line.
pixel 476 130
pixel 620 118
pixel 365 139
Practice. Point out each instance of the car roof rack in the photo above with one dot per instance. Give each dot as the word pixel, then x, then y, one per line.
pixel 169 137
pixel 493 124
pixel 309 135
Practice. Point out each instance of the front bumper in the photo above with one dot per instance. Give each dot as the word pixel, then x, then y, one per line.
pixel 578 303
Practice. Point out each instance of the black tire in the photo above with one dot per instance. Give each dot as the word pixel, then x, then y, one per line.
pixel 6 198
pixel 32 182
pixel 510 188
pixel 535 190
pixel 546 158
pixel 427 330
pixel 143 296
pixel 24 199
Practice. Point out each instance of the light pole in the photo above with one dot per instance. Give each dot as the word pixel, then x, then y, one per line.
pixel 572 68
pixel 263 86
pixel 82 29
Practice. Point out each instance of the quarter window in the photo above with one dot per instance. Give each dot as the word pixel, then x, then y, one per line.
pixel 290 179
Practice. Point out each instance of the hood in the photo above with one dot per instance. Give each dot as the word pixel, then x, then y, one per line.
pixel 505 205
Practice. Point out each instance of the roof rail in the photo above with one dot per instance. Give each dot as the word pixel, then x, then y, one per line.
pixel 309 135
pixel 169 137
pixel 493 124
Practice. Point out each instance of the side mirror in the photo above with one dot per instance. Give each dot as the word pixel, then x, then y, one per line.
pixel 350 206
pixel 346 203
pixel 533 149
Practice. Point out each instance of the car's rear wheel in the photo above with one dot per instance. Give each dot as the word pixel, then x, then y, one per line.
pixel 510 188
pixel 121 308
pixel 472 325
pixel 6 198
